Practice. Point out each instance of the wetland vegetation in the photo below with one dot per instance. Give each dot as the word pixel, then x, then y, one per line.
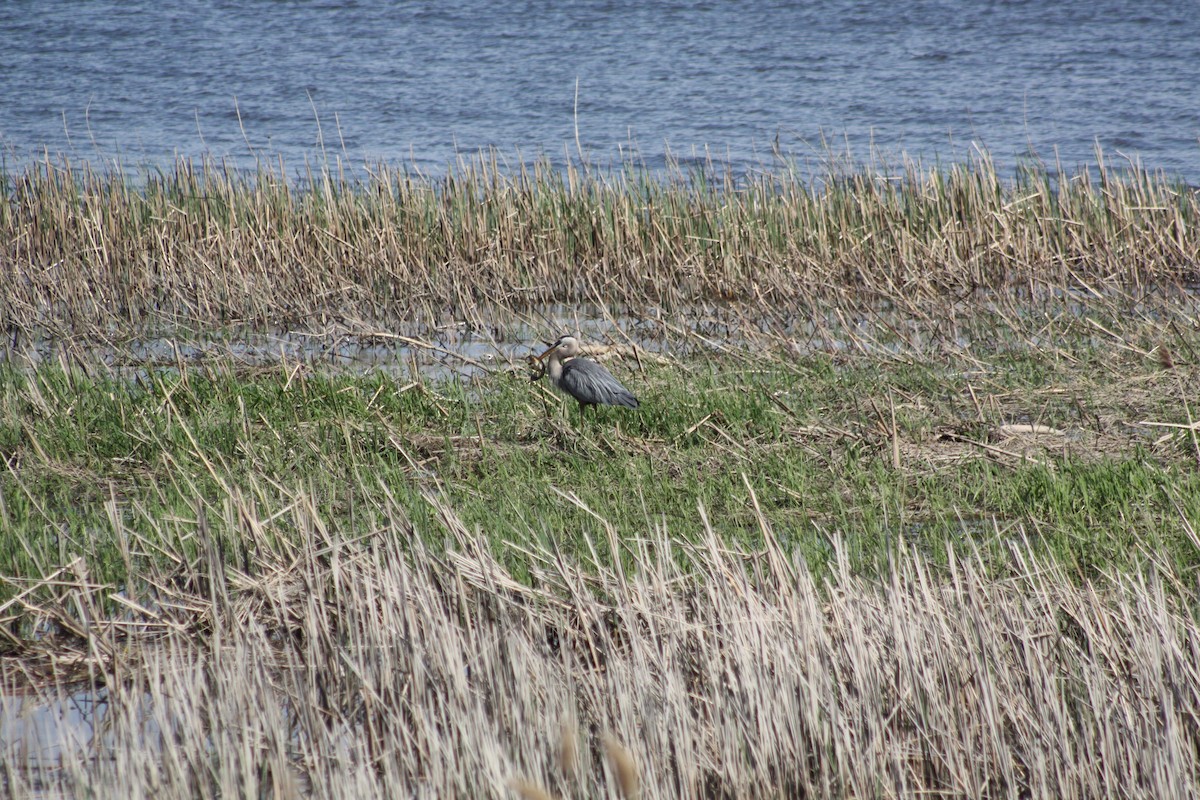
pixel 908 506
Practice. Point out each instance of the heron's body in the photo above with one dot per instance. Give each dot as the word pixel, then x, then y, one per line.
pixel 585 380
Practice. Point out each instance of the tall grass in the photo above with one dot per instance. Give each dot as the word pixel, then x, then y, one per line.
pixel 113 251
pixel 375 667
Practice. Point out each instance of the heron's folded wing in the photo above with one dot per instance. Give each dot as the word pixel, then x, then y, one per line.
pixel 589 382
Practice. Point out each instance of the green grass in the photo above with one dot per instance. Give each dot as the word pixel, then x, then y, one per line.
pixel 814 442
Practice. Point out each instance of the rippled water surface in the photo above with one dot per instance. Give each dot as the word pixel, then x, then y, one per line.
pixel 417 83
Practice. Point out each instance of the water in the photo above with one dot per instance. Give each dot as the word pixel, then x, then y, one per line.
pixel 415 84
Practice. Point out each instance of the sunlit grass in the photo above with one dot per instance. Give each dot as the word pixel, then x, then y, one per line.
pixel 871 454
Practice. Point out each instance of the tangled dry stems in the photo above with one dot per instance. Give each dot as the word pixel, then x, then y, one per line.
pixel 376 667
pixel 98 253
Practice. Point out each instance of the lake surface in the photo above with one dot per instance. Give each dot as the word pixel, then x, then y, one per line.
pixel 417 84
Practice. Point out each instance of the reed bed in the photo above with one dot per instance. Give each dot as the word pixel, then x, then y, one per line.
pixel 117 251
pixel 811 565
pixel 377 667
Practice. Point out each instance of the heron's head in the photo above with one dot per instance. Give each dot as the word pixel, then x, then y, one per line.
pixel 566 346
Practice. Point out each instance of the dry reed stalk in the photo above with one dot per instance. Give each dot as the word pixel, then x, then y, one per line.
pixel 568 749
pixel 528 789
pixel 623 767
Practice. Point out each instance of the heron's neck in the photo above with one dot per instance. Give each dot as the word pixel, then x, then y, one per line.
pixel 555 368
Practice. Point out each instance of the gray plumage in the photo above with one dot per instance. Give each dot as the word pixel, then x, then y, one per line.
pixel 591 384
pixel 585 380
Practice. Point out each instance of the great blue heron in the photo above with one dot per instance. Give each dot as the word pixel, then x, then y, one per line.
pixel 585 380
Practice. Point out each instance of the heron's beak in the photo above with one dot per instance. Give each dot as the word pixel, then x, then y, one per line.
pixel 548 352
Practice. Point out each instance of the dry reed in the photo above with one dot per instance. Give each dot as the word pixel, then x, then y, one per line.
pixel 104 253
pixel 623 767
pixel 378 668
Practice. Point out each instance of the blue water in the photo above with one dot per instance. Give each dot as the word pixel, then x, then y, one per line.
pixel 419 84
